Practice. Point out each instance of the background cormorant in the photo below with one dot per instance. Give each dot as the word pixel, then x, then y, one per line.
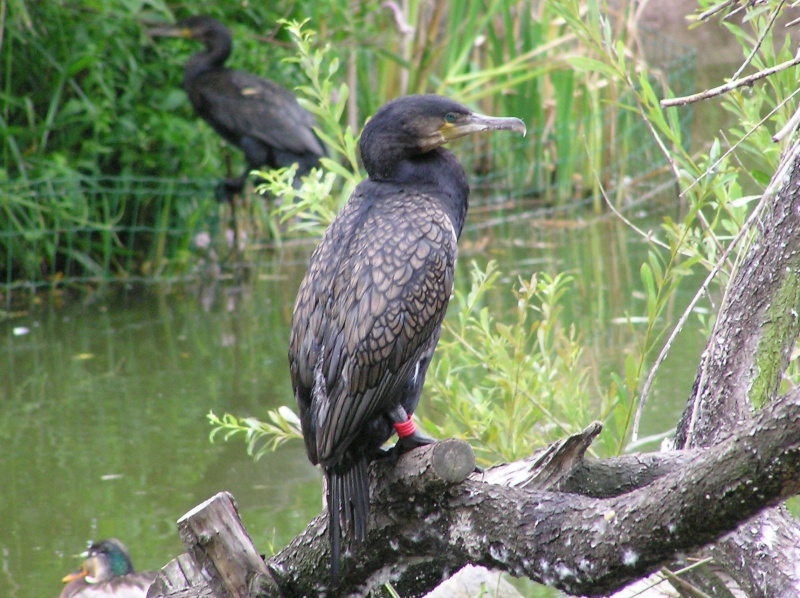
pixel 258 116
pixel 369 310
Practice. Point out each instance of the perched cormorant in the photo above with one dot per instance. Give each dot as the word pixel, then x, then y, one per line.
pixel 107 572
pixel 258 116
pixel 369 310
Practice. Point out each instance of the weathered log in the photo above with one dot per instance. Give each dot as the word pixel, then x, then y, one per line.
pixel 562 467
pixel 180 578
pixel 578 544
pixel 221 560
pixel 548 468
pixel 424 520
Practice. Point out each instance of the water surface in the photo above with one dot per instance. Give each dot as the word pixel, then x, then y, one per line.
pixel 103 420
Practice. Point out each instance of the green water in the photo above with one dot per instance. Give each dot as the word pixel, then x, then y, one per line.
pixel 103 403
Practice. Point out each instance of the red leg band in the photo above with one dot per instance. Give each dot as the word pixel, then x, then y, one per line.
pixel 407 428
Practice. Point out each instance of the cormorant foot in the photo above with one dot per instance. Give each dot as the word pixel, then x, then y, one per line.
pixel 403 445
pixel 409 443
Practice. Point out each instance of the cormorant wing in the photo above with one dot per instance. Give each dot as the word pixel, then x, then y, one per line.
pixel 239 104
pixel 374 299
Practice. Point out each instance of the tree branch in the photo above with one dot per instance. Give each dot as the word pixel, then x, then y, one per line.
pixel 730 85
pixel 743 365
pixel 757 326
pixel 578 544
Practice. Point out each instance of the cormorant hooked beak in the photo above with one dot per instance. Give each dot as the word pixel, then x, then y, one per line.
pixel 458 125
pixel 172 31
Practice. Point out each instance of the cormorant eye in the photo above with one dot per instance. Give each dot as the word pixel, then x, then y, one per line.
pixel 450 117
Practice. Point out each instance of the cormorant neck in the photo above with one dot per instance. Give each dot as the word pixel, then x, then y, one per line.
pixel 218 49
pixel 437 173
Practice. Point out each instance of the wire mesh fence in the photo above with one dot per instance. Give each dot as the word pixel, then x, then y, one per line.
pixel 91 229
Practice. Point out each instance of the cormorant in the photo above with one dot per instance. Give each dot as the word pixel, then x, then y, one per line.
pixel 369 310
pixel 107 572
pixel 258 116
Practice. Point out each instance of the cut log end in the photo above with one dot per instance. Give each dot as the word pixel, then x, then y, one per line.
pixel 453 460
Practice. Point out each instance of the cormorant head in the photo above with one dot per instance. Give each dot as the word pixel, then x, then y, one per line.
pixel 201 28
pixel 414 125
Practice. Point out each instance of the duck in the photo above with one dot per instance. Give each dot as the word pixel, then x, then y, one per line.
pixel 107 572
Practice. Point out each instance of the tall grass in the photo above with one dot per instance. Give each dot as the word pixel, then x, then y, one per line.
pixel 519 58
pixel 85 230
pixel 85 93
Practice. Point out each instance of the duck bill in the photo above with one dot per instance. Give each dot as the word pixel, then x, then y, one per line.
pixel 476 123
pixel 82 572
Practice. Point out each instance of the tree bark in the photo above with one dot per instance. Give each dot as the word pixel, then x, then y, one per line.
pixel 742 367
pixel 579 544
pixel 757 325
pixel 430 516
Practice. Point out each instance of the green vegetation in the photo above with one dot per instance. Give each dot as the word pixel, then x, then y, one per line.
pixel 261 437
pixel 90 105
pixel 714 185
pixel 86 95
pixel 505 386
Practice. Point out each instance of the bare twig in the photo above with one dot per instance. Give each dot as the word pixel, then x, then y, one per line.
pixel 760 41
pixel 715 9
pixel 792 23
pixel 789 127
pixel 719 160
pixel 682 585
pixel 731 85
pixel 741 7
